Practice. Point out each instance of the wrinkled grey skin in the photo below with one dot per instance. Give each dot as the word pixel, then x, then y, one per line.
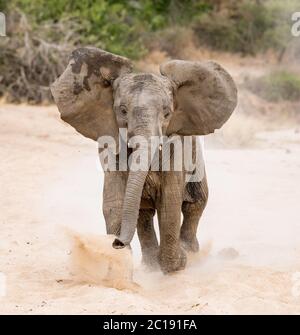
pixel 143 103
pixel 98 94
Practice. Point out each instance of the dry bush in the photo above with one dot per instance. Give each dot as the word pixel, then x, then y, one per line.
pixel 276 86
pixel 291 54
pixel 173 41
pixel 30 63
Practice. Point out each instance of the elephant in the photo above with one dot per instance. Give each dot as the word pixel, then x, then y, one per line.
pixel 99 93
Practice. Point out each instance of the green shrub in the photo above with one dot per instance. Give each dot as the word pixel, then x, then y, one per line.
pixel 276 86
pixel 248 26
pixel 2 5
pixel 115 25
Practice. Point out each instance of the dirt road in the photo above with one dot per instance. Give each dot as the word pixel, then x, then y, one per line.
pixel 250 233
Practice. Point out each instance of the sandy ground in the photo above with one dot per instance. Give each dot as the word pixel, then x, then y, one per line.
pixel 51 180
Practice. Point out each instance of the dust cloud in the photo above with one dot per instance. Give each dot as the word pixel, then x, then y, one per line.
pixel 94 260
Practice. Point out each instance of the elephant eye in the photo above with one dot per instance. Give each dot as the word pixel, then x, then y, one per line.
pixel 123 110
pixel 106 83
pixel 167 115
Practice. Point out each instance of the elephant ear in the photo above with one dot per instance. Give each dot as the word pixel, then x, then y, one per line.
pixel 83 93
pixel 205 96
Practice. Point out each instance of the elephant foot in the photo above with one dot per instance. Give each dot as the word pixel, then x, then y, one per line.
pixel 190 245
pixel 169 265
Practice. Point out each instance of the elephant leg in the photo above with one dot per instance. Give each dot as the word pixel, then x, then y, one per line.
pixel 192 212
pixel 171 256
pixel 147 237
pixel 113 197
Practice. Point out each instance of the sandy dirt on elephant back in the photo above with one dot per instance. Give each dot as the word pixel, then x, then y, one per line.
pixel 56 260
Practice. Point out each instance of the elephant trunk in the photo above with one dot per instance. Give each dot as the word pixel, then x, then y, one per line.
pixel 131 205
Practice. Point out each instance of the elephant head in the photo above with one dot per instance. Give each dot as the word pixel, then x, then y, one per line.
pixel 98 93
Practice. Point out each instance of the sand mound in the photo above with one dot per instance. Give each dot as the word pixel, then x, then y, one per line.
pixel 95 261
